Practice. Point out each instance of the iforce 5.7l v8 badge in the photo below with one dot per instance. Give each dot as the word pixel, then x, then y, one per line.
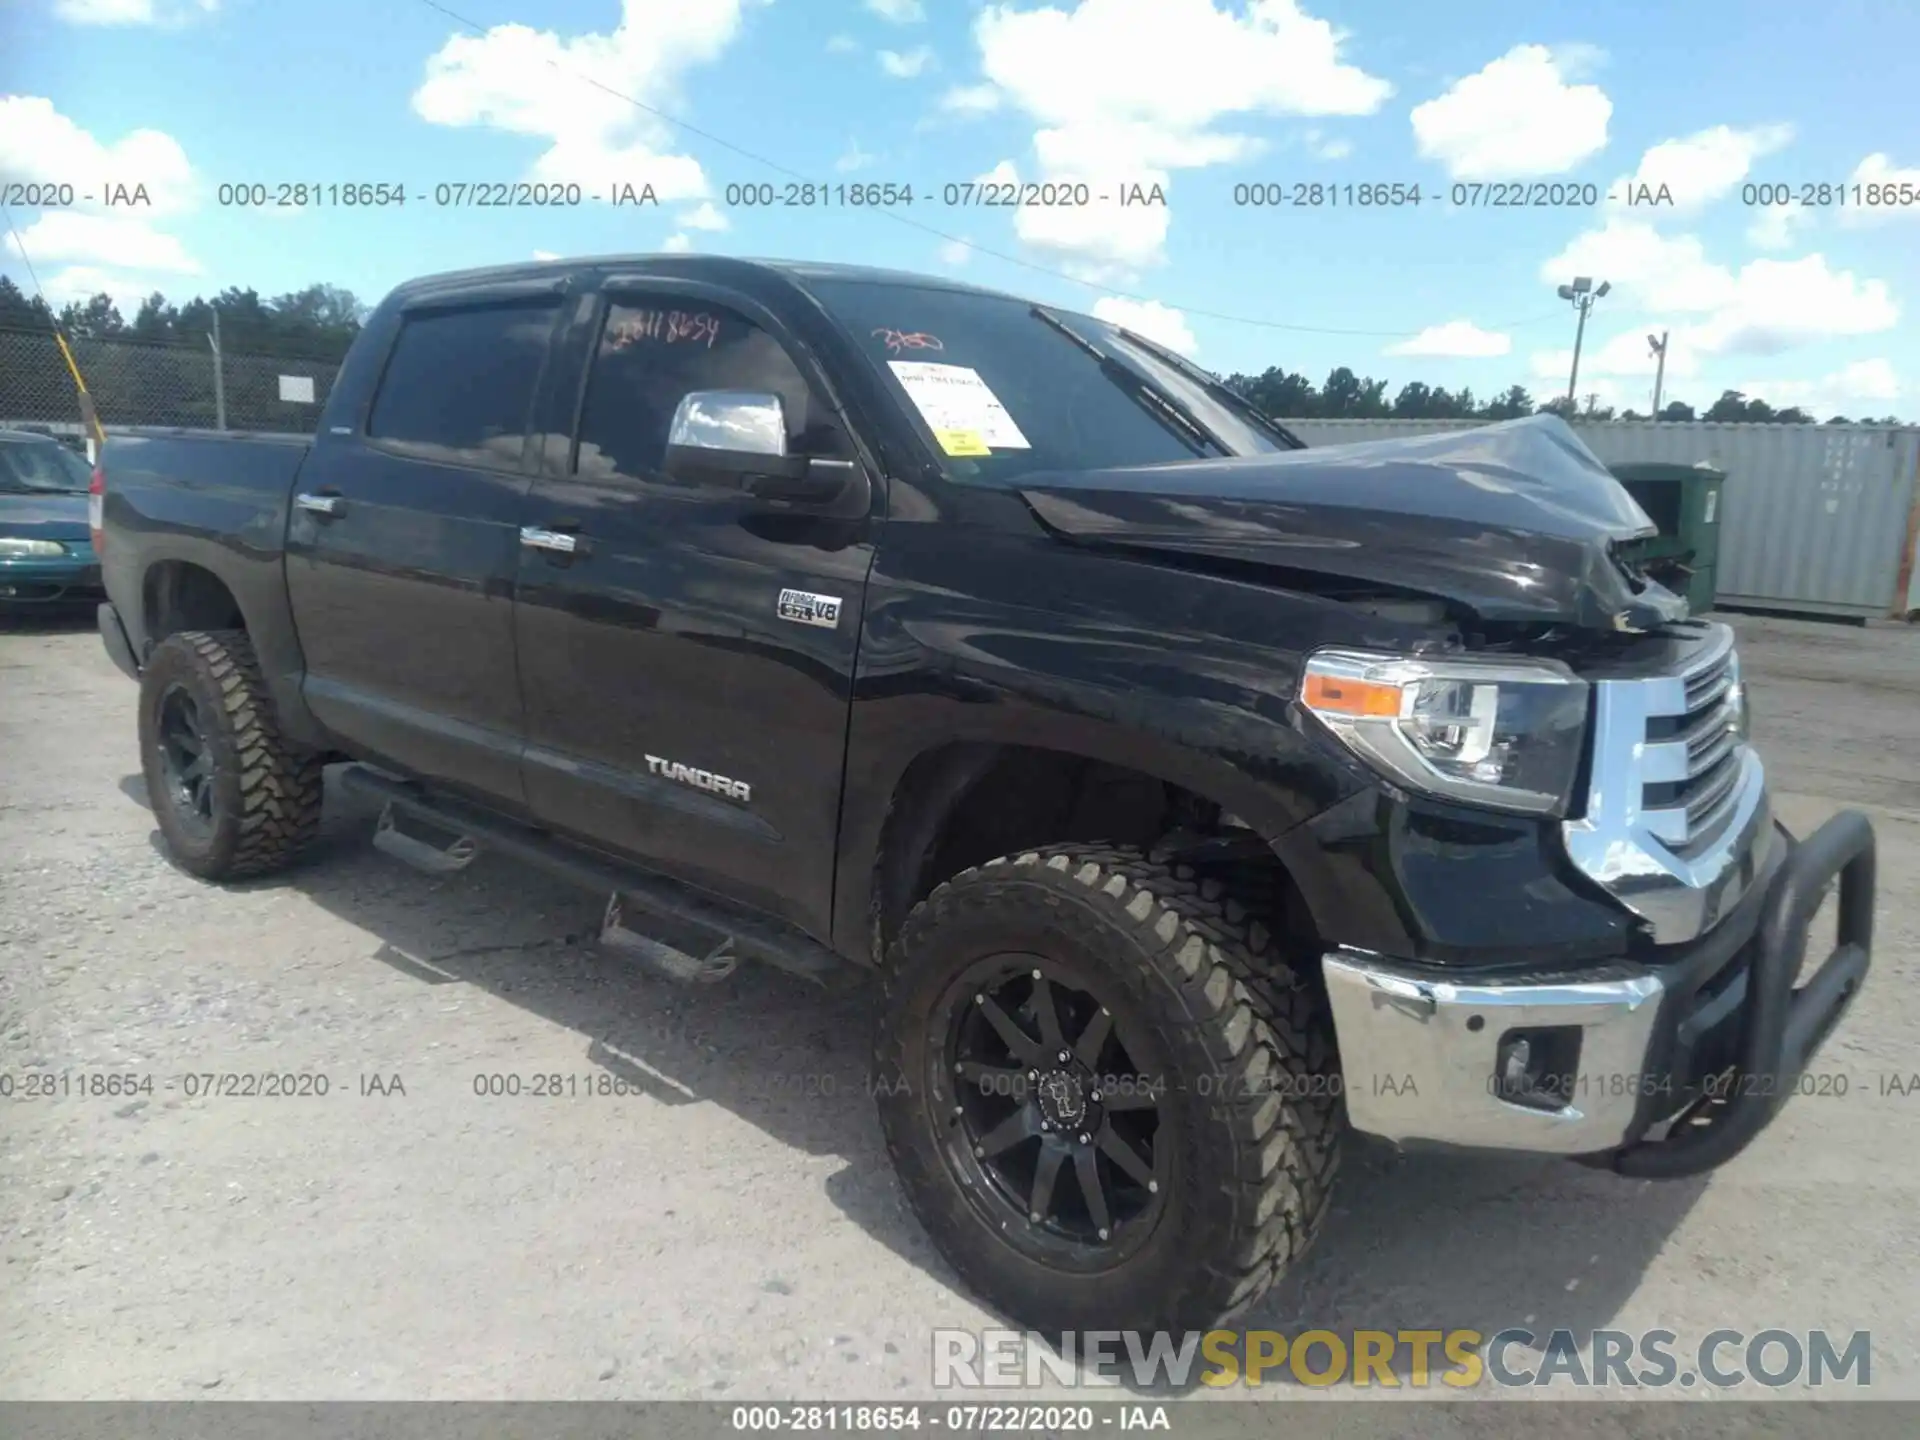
pixel 803 607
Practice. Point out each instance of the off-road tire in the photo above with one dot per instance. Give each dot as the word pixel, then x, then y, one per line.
pixel 1252 1070
pixel 266 792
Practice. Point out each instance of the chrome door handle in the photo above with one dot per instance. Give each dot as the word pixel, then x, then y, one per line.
pixel 321 504
pixel 557 541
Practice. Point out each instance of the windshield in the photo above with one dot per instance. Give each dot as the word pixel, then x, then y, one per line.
pixel 1008 389
pixel 42 467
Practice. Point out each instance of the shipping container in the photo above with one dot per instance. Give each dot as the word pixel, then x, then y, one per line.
pixel 1820 519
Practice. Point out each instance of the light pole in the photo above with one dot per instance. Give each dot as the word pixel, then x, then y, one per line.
pixel 1658 346
pixel 1582 294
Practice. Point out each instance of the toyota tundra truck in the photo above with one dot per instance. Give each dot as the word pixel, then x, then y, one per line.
pixel 1194 796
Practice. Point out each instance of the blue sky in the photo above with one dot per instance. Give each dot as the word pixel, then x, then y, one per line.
pixel 1805 306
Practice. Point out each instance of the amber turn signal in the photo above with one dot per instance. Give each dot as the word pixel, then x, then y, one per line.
pixel 1337 695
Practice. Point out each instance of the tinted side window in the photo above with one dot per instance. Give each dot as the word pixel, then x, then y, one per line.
pixel 653 351
pixel 459 383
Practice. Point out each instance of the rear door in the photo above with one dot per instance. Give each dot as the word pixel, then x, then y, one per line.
pixel 404 542
pixel 657 660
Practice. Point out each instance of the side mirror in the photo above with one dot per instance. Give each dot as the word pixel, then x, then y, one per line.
pixel 737 440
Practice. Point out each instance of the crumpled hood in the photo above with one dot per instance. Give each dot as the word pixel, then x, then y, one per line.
pixel 45 516
pixel 1516 520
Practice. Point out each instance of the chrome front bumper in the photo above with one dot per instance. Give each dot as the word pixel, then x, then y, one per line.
pixel 1419 1056
pixel 1668 1069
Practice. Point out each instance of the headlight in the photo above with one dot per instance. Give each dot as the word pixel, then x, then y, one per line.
pixel 1505 733
pixel 12 548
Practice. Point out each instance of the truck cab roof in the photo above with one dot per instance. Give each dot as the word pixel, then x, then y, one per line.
pixel 749 273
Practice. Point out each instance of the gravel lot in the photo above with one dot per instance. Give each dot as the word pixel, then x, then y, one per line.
pixel 733 1230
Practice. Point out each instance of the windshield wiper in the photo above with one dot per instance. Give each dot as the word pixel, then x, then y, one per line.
pixel 1218 389
pixel 1170 413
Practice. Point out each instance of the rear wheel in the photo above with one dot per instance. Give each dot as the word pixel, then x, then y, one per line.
pixel 232 798
pixel 1108 1105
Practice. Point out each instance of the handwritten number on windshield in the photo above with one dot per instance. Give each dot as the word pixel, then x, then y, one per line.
pixel 901 340
pixel 671 327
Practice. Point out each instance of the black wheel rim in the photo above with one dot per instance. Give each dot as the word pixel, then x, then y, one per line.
pixel 1056 1112
pixel 186 758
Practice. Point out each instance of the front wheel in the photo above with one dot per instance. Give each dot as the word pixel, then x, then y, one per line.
pixel 1108 1105
pixel 232 797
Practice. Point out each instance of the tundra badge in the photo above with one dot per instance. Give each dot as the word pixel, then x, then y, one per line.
pixel 699 779
pixel 803 607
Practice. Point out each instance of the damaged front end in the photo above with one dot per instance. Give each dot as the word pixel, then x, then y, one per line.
pixel 1517 523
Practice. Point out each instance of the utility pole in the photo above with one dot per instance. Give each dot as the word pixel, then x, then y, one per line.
pixel 1581 293
pixel 1658 347
pixel 219 377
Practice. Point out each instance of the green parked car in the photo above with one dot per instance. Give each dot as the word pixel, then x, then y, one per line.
pixel 46 545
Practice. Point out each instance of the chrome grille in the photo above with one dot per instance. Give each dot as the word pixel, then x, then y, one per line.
pixel 1711 682
pixel 1693 776
pixel 1677 810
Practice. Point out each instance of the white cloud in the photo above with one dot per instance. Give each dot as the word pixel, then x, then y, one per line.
pixel 1764 307
pixel 1621 372
pixel 1576 59
pixel 38 143
pixel 1623 355
pixel 704 217
pixel 1516 117
pixel 1778 304
pixel 131 12
pixel 1149 318
pixel 1126 91
pixel 854 159
pixel 546 255
pixel 1878 169
pixel 1098 241
pixel 842 45
pixel 1086 153
pixel 955 252
pixel 1173 65
pixel 1701 168
pixel 1325 147
pixel 576 92
pixel 126 288
pixel 1866 387
pixel 1775 227
pixel 1658 272
pixel 94 247
pixel 1458 338
pixel 898 12
pixel 74 237
pixel 1863 388
pixel 1547 376
pixel 678 243
pixel 905 66
pixel 971 100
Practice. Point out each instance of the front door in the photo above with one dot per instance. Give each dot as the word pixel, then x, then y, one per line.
pixel 677 709
pixel 403 545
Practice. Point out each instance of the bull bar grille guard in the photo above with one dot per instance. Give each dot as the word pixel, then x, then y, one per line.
pixel 1781 1026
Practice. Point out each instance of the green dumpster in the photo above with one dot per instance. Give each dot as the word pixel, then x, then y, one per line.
pixel 1684 501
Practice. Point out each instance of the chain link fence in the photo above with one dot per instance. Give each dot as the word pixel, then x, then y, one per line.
pixel 144 382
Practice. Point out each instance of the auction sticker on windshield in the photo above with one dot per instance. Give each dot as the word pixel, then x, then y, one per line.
pixel 966 417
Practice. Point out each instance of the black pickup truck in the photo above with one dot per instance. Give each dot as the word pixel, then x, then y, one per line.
pixel 1195 795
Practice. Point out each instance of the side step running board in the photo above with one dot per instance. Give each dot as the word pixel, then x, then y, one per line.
pixel 706 960
pixel 427 852
pixel 699 938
